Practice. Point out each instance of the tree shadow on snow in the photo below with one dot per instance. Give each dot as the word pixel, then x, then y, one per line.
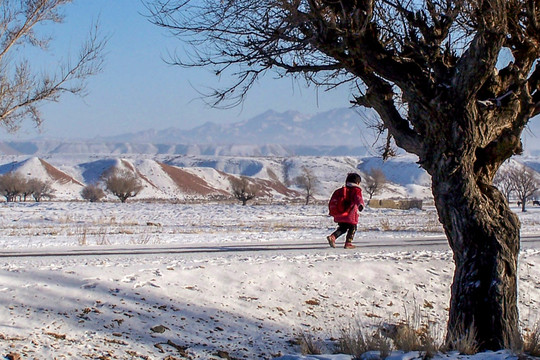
pixel 121 315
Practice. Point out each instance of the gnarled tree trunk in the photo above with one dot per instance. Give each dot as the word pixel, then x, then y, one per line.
pixel 482 231
pixel 484 236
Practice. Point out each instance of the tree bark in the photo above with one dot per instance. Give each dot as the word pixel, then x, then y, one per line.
pixel 484 236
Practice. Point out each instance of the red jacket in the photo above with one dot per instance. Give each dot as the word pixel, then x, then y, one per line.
pixel 357 201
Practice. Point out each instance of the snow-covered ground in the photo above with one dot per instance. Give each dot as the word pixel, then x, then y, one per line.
pixel 218 280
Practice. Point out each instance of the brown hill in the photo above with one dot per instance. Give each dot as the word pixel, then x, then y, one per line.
pixel 188 182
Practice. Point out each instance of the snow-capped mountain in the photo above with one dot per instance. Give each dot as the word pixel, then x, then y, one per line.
pixel 194 177
pixel 208 177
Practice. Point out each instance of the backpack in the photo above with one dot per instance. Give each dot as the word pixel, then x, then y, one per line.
pixel 339 203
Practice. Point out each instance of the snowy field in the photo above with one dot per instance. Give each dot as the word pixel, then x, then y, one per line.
pixel 218 281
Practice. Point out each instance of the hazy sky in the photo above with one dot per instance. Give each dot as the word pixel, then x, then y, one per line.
pixel 137 89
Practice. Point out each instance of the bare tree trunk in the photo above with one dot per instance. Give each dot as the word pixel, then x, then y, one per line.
pixel 484 236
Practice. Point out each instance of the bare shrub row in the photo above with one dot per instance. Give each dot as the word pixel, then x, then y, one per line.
pixel 13 186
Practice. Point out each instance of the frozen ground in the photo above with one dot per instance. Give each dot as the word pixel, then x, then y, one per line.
pixel 235 285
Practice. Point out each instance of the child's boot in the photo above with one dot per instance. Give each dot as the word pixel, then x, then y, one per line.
pixel 331 240
pixel 349 245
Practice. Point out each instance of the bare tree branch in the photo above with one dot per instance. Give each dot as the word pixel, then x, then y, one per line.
pixel 22 89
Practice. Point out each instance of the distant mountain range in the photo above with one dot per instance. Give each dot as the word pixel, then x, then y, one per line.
pixel 338 132
pixel 339 127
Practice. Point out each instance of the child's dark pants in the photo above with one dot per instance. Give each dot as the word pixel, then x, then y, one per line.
pixel 343 228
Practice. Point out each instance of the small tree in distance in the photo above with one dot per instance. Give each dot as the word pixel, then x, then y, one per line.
pixel 308 182
pixel 524 184
pixel 92 193
pixel 503 182
pixel 375 182
pixel 11 185
pixel 123 184
pixel 242 189
pixel 25 190
pixel 40 189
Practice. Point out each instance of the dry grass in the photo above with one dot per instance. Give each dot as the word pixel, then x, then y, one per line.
pixel 357 340
pixel 102 237
pixel 465 344
pixel 430 224
pixel 408 338
pixel 417 332
pixel 352 341
pixel 384 338
pixel 145 238
pixel 385 225
pixel 414 333
pixel 309 345
pixel 531 341
pixel 82 233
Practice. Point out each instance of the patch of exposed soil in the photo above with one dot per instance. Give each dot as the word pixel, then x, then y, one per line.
pixel 58 175
pixel 188 182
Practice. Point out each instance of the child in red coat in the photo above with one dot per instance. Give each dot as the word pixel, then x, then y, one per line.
pixel 347 223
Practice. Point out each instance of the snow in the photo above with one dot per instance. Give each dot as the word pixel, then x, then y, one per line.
pixel 149 279
pixel 209 280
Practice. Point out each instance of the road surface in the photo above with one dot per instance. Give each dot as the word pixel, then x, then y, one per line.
pixel 438 243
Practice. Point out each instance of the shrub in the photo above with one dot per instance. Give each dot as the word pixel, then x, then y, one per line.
pixel 123 184
pixel 11 185
pixel 92 193
pixel 40 189
pixel 242 189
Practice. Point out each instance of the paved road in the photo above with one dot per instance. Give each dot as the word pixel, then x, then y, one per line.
pixel 376 245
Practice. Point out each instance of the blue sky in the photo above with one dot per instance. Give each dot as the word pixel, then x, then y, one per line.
pixel 138 91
